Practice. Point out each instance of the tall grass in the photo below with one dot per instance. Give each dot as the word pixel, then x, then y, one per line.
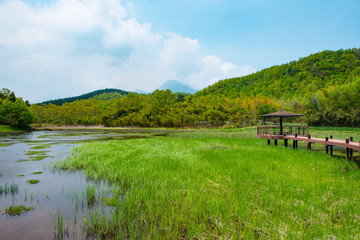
pixel 9 189
pixel 216 184
pixel 61 229
pixel 91 195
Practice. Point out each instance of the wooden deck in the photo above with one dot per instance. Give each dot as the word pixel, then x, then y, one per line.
pixel 302 134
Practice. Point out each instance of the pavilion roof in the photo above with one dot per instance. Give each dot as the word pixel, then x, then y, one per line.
pixel 282 113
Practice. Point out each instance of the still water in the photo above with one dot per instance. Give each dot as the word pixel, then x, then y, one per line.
pixel 59 193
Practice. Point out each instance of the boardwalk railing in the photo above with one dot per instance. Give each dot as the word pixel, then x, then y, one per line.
pixel 277 130
pixel 296 134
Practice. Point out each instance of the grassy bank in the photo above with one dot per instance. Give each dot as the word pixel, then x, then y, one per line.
pixel 8 129
pixel 220 184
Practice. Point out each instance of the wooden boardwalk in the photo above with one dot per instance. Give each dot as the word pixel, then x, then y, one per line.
pixel 302 134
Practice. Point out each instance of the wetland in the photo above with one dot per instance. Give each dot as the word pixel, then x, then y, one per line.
pixel 162 184
pixel 35 196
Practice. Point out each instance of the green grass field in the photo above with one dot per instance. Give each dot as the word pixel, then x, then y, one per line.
pixel 222 185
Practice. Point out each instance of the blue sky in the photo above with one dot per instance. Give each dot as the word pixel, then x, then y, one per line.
pixel 60 48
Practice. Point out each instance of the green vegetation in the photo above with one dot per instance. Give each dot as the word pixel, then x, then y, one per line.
pixel 325 87
pixel 11 189
pixel 38 172
pixel 23 160
pixel 17 210
pixel 59 229
pixel 14 112
pixel 111 202
pixel 41 147
pixel 36 153
pixel 220 184
pixel 6 144
pixel 104 94
pixel 91 195
pixel 38 158
pixel 8 129
pixel 33 181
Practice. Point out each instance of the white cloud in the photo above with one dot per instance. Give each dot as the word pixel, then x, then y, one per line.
pixel 177 46
pixel 131 33
pixel 213 70
pixel 70 47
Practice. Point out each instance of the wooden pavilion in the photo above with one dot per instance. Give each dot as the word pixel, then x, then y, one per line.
pixel 296 133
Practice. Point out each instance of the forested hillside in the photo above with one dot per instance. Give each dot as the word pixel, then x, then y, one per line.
pixel 104 94
pixel 294 79
pixel 325 87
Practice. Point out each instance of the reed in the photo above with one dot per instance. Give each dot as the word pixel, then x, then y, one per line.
pixel 11 189
pixel 58 223
pixel 91 195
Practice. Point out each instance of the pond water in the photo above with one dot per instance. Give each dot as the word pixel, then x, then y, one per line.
pixel 59 195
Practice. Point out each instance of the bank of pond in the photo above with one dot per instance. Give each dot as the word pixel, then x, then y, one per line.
pixel 151 184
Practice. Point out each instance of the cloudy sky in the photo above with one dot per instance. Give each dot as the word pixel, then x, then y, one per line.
pixel 59 48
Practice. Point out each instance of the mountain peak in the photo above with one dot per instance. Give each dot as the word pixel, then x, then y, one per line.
pixel 176 86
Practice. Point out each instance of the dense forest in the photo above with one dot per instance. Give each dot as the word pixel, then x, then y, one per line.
pixel 325 87
pixel 14 111
pixel 103 94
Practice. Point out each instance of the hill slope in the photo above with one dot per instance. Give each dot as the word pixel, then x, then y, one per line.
pixel 104 94
pixel 297 78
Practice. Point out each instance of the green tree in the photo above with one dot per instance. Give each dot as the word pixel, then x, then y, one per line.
pixel 15 114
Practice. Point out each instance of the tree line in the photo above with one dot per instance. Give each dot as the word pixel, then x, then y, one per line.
pixel 162 108
pixel 14 111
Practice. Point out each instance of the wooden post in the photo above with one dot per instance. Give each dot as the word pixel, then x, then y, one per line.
pixel 275 142
pixel 295 142
pixel 285 142
pixel 347 150
pixel 307 130
pixel 309 143
pixel 351 150
pixel 326 145
pixel 331 147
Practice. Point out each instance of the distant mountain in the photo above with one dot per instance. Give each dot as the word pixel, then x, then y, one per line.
pixel 176 86
pixel 141 91
pixel 105 94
